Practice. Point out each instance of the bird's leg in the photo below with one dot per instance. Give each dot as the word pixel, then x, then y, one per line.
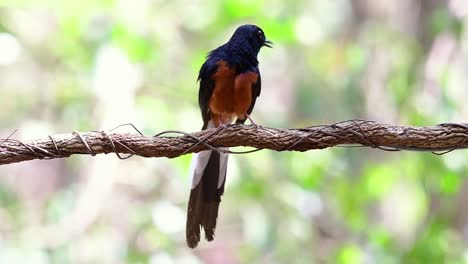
pixel 221 123
pixel 251 120
pixel 217 121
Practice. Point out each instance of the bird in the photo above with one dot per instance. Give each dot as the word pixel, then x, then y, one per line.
pixel 229 86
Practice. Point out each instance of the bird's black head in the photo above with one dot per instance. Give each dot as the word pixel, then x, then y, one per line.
pixel 251 37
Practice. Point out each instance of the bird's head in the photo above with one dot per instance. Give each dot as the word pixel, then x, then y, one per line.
pixel 250 35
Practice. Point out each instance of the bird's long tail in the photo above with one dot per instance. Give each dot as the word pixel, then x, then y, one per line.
pixel 208 170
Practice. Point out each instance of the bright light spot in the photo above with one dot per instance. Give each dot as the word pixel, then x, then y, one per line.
pixel 459 8
pixel 168 218
pixel 199 15
pixel 114 74
pixel 465 256
pixel 298 228
pixel 161 258
pixel 255 224
pixel 180 258
pixel 308 30
pixel 188 259
pixel 402 210
pixel 23 255
pixel 309 203
pixel 455 161
pixel 9 49
pixel 115 81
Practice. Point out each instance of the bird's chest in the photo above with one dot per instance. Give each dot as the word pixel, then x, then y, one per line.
pixel 232 93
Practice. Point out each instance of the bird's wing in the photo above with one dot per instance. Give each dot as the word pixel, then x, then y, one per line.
pixel 207 85
pixel 256 89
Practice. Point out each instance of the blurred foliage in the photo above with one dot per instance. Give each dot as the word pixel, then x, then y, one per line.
pixel 90 65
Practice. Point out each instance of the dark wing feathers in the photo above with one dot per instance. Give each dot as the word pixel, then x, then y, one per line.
pixel 207 85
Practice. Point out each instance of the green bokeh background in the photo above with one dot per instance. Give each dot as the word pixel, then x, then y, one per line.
pixel 92 65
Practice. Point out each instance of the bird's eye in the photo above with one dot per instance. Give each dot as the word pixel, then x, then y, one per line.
pixel 260 33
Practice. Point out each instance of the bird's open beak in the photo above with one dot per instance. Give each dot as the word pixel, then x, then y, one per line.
pixel 268 43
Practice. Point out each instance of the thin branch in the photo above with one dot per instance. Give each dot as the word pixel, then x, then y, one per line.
pixel 438 139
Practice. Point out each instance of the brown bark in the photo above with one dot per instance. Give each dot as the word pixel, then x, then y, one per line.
pixel 366 133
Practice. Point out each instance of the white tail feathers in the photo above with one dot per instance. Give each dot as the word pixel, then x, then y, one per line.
pixel 200 160
pixel 198 165
pixel 223 160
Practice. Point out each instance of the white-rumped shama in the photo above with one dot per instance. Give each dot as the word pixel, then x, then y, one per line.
pixel 229 86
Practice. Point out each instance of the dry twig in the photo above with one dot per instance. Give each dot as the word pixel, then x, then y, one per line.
pixel 442 138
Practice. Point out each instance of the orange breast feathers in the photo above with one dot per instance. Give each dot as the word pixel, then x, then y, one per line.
pixel 232 94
